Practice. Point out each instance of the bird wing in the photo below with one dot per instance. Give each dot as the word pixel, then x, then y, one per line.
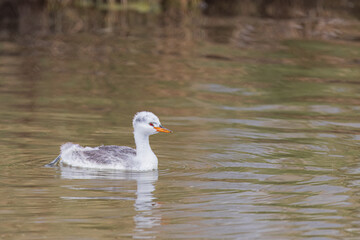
pixel 111 155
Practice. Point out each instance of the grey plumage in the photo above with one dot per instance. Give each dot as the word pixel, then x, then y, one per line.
pixel 111 154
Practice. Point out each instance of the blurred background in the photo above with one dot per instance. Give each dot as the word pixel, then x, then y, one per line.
pixel 263 97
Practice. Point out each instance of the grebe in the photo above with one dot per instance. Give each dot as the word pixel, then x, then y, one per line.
pixel 118 157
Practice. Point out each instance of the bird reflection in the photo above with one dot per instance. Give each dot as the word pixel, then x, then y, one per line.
pixel 145 218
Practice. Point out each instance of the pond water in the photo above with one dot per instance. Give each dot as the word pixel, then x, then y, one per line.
pixel 265 143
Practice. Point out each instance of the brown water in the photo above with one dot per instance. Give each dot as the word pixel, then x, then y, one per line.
pixel 265 143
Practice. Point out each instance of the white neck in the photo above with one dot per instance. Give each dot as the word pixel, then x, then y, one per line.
pixel 144 154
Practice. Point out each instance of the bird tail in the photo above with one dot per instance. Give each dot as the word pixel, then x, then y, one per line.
pixel 54 162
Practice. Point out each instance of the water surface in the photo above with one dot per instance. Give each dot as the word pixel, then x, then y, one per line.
pixel 265 143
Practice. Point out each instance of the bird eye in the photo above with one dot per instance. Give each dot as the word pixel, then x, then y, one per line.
pixel 151 124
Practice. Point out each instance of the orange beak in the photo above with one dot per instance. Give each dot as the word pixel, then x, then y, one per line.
pixel 162 129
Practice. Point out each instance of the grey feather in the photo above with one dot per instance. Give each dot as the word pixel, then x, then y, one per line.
pixel 106 154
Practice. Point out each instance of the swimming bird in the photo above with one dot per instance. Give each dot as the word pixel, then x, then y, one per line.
pixel 118 157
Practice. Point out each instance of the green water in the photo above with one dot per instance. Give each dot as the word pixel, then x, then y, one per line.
pixel 265 144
